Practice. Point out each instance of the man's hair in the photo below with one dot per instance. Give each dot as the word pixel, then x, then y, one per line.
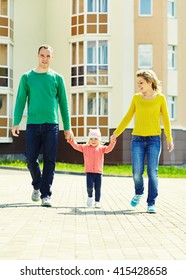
pixel 45 46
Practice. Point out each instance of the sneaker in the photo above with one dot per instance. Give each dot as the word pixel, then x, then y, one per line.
pixel 89 201
pixel 151 209
pixel 46 202
pixel 35 195
pixel 135 200
pixel 97 204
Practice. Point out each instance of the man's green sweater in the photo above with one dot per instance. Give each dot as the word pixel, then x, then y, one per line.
pixel 42 92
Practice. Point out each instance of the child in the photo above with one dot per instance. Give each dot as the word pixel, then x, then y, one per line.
pixel 93 152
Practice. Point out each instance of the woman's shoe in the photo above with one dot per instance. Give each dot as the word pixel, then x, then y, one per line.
pixel 151 209
pixel 135 200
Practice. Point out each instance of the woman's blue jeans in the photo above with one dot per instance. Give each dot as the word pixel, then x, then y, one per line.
pixel 149 147
pixel 45 137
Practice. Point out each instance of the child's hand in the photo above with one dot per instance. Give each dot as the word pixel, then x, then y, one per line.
pixel 69 136
pixel 113 138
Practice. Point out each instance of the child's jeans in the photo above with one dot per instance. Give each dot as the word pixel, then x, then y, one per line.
pixel 94 181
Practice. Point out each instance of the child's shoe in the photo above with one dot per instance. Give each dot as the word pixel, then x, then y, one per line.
pixel 97 204
pixel 89 201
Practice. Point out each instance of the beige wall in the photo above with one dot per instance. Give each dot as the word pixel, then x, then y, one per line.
pixel 58 30
pixel 38 22
pixel 153 30
pixel 181 106
pixel 122 58
pixel 30 32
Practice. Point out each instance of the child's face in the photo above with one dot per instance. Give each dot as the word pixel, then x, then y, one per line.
pixel 94 142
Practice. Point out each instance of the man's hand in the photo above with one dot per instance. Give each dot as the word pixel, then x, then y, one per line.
pixel 69 135
pixel 15 131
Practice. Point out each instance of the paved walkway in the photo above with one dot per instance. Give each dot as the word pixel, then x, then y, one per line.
pixel 71 231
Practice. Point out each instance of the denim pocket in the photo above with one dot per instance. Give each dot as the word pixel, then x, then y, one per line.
pixel 154 138
pixel 136 138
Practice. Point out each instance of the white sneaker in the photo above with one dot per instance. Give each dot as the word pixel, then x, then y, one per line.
pixel 97 204
pixel 46 202
pixel 89 201
pixel 35 195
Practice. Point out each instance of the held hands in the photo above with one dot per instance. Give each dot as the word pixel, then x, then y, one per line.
pixel 69 136
pixel 15 131
pixel 170 146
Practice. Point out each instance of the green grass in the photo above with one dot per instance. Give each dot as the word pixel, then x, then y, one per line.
pixel 120 170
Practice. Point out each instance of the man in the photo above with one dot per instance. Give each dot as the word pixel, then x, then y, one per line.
pixel 43 90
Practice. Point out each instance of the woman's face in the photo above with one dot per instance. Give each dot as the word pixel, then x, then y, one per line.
pixel 143 85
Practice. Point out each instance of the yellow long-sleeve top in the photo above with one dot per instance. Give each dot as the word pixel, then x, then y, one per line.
pixel 147 117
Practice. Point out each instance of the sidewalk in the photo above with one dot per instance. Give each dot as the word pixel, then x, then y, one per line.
pixel 71 231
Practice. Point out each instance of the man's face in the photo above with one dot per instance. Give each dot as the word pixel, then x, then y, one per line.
pixel 45 57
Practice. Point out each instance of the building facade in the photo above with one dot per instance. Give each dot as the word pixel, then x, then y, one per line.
pixel 98 47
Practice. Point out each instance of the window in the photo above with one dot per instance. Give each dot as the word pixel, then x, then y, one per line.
pixel 89 19
pixel 6 19
pixel 171 107
pixel 100 6
pixel 3 105
pixel 103 103
pixel 91 104
pixel 92 6
pixel 89 68
pixel 77 69
pixel 171 57
pixel 171 8
pixel 4 7
pixel 6 71
pixel 89 110
pixel 145 7
pixel 96 61
pixel 4 65
pixel 145 56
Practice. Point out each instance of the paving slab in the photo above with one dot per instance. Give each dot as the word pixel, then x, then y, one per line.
pixel 71 231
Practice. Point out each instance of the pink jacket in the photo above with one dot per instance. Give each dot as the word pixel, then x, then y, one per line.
pixel 93 156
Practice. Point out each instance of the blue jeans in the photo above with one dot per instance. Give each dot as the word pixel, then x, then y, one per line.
pixel 94 181
pixel 150 147
pixel 43 136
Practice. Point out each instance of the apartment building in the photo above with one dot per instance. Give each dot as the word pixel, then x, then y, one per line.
pixel 98 47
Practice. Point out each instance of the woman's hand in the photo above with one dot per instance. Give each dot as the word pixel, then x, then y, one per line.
pixel 170 146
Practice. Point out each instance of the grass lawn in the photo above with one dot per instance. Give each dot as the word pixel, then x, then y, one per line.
pixel 121 170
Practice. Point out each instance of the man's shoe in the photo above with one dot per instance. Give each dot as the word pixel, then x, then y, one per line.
pixel 151 209
pixel 135 200
pixel 35 195
pixel 89 201
pixel 46 202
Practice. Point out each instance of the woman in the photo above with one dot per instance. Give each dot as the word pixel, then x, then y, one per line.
pixel 147 106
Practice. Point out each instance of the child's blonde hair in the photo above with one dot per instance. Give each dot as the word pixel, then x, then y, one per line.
pixel 150 77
